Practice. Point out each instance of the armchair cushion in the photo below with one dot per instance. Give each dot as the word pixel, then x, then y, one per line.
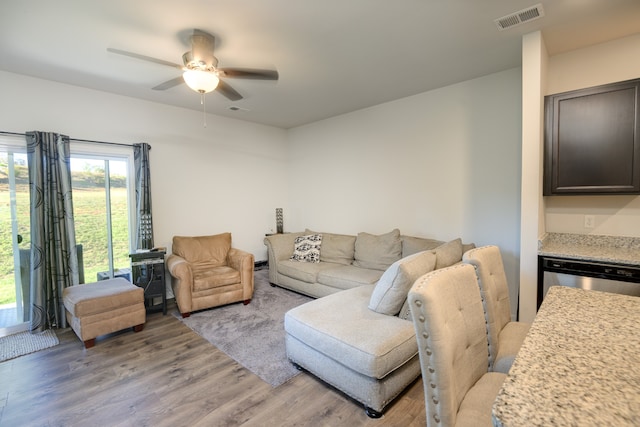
pixel 213 277
pixel 211 250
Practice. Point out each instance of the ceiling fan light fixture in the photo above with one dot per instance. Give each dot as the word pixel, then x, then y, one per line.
pixel 201 81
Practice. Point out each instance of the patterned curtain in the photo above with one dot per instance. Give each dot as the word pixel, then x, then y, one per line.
pixel 144 223
pixel 54 262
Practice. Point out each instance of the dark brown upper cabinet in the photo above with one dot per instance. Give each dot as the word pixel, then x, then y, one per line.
pixel 592 140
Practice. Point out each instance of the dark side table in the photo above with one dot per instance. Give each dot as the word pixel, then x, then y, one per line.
pixel 147 272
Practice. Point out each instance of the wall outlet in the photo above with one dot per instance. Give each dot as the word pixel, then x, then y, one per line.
pixel 589 221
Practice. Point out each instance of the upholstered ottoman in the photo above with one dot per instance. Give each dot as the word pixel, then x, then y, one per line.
pixel 103 307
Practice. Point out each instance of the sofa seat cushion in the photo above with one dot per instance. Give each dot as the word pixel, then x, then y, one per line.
pixel 304 271
pixel 208 277
pixel 342 327
pixel 348 276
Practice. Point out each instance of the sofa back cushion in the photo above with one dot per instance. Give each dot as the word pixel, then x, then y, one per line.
pixel 412 245
pixel 211 250
pixel 448 254
pixel 377 252
pixel 337 248
pixel 391 290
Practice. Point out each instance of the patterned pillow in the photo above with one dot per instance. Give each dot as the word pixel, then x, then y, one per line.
pixel 307 248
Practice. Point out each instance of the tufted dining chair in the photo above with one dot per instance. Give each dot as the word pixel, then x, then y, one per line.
pixel 505 336
pixel 448 319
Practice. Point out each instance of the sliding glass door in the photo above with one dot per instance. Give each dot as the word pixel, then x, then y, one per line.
pixel 101 215
pixel 102 203
pixel 14 241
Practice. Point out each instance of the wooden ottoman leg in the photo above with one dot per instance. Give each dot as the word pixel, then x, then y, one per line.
pixel 138 328
pixel 89 343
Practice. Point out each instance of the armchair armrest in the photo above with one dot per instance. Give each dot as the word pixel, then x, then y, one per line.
pixel 181 281
pixel 243 262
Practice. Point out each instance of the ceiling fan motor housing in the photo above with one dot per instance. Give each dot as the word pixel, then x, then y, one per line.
pixel 206 62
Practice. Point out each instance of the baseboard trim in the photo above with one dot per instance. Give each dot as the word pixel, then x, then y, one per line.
pixel 260 265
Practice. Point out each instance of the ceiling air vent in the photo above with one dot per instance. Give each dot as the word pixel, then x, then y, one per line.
pixel 520 17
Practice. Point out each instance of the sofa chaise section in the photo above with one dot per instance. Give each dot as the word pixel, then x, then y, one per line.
pixel 361 340
pixel 369 356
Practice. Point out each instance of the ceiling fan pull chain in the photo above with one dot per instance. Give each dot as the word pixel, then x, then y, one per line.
pixel 204 108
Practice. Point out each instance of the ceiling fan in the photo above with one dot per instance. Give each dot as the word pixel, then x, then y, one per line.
pixel 200 69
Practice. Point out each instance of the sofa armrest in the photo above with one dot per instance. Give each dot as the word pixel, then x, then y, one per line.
pixel 181 281
pixel 243 262
pixel 279 248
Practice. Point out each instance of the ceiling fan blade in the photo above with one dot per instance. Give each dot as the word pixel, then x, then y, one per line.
pixel 248 73
pixel 145 58
pixel 202 45
pixel 169 84
pixel 229 92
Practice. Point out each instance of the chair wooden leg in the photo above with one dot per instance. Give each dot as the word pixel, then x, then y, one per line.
pixel 185 315
pixel 89 343
pixel 138 328
pixel 247 301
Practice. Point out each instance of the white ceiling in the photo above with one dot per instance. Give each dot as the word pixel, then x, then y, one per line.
pixel 333 56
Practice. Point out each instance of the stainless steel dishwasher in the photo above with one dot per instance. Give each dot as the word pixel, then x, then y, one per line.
pixel 598 276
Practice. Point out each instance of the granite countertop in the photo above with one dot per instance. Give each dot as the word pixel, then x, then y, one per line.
pixel 588 247
pixel 578 366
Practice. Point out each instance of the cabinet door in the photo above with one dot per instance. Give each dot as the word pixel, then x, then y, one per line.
pixel 592 141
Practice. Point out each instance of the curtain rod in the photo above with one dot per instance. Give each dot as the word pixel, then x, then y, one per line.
pixel 74 139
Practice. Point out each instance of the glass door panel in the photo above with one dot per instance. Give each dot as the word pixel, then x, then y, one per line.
pixel 14 242
pixel 101 215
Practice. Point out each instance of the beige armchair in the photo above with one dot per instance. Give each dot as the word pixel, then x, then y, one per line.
pixel 207 272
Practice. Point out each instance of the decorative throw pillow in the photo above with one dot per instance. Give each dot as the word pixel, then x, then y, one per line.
pixel 377 252
pixel 337 248
pixel 307 248
pixel 392 288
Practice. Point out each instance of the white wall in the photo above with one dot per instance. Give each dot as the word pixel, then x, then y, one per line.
pixel 442 164
pixel 229 176
pixel 534 65
pixel 600 64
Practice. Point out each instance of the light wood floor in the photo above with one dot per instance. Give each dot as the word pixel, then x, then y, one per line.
pixel 167 375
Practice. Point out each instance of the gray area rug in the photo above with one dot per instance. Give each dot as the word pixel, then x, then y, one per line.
pixel 253 334
pixel 22 343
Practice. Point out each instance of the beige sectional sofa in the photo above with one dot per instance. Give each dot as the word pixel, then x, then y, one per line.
pixel 345 261
pixel 357 335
